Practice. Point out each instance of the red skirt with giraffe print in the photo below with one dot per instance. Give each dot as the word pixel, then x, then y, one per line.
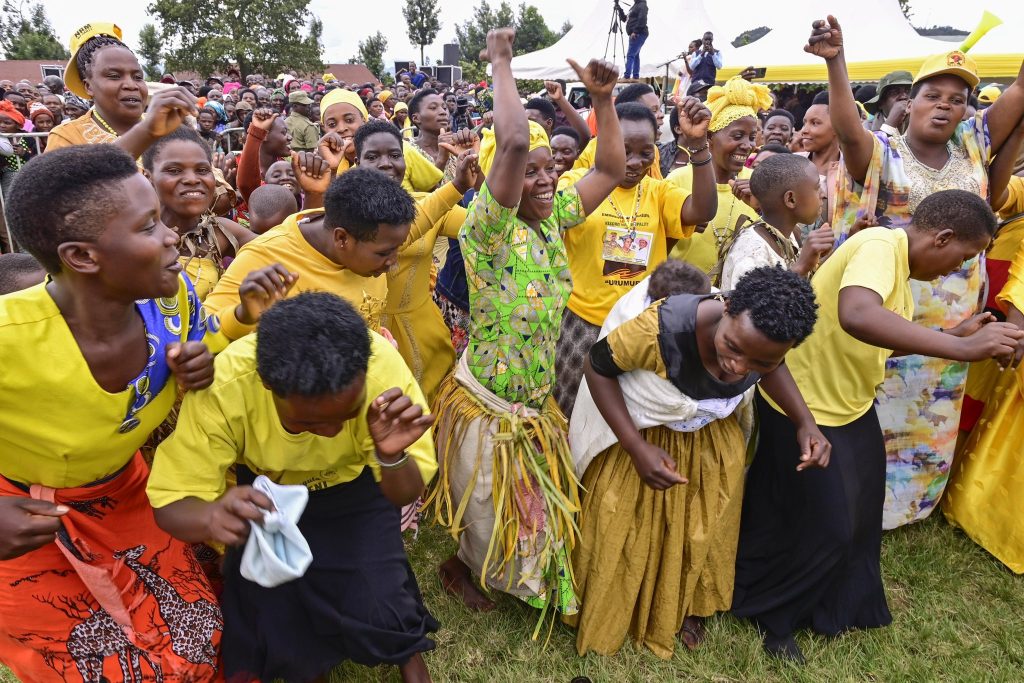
pixel 113 598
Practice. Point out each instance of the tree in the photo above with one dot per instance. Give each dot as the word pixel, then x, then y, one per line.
pixel 472 35
pixel 905 7
pixel 260 36
pixel 532 32
pixel 371 53
pixel 566 27
pixel 150 51
pixel 422 17
pixel 26 33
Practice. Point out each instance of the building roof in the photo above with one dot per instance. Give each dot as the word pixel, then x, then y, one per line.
pixel 30 69
pixel 351 73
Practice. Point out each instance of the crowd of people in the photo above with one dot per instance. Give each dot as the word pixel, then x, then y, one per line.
pixel 642 375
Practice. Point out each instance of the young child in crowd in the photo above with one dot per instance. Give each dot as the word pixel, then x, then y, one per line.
pixel 785 187
pixel 269 206
pixel 316 399
pixel 810 544
pixel 94 359
pixel 19 271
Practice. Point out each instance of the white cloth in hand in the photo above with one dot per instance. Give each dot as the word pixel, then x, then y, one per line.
pixel 276 551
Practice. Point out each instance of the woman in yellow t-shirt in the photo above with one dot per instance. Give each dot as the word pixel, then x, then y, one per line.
pixel 342 112
pixel 734 108
pixel 316 402
pixel 93 359
pixel 629 234
pixel 409 314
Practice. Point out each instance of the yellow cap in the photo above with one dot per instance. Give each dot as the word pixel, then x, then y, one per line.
pixel 989 94
pixel 955 63
pixel 73 79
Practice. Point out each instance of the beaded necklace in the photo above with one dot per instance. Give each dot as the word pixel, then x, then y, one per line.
pixel 789 254
pixel 634 219
pixel 102 123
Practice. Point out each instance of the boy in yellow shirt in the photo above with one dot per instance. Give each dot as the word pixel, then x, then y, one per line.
pixel 344 248
pixel 316 399
pixel 810 542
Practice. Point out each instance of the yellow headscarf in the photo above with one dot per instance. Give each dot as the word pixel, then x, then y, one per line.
pixel 384 95
pixel 538 139
pixel 342 96
pixel 734 100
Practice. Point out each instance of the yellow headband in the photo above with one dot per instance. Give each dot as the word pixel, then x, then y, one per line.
pixel 734 100
pixel 538 139
pixel 342 96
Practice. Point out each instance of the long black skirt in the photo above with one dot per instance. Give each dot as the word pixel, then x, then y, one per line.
pixel 358 601
pixel 810 542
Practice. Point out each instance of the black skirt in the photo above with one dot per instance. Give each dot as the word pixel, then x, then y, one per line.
pixel 358 601
pixel 810 542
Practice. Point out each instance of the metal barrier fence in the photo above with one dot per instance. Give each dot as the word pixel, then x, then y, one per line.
pixel 225 138
pixel 36 138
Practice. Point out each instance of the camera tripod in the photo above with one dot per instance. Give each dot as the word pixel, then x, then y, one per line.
pixel 616 29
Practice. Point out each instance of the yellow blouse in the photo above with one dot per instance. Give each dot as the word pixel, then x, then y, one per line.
pixel 235 421
pixel 410 314
pixel 58 427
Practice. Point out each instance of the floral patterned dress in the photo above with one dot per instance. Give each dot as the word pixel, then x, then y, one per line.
pixel 920 400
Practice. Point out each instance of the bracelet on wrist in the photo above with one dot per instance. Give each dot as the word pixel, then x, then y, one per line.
pixel 697 150
pixel 393 465
pixel 703 162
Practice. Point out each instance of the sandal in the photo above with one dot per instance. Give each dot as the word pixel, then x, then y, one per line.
pixel 692 634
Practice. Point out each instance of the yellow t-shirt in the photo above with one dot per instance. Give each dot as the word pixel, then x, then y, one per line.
pixel 585 161
pixel 701 250
pixel 836 373
pixel 286 245
pixel 609 253
pixel 58 427
pixel 235 421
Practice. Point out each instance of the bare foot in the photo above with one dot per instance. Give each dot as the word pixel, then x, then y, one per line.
pixel 415 670
pixel 692 633
pixel 457 581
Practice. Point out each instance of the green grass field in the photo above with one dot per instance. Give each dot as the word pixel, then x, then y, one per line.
pixel 958 616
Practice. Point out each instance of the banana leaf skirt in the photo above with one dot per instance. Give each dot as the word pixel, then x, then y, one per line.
pixel 358 601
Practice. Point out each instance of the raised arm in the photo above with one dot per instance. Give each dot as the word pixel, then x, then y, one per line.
pixel 554 89
pixel 1005 113
pixel 855 141
pixel 1001 168
pixel 702 204
pixel 249 176
pixel 599 79
pixel 167 111
pixel 511 127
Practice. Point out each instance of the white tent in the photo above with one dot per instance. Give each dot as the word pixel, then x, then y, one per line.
pixel 877 39
pixel 672 26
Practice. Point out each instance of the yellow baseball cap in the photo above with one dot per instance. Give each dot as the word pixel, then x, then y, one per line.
pixel 73 79
pixel 955 63
pixel 989 94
